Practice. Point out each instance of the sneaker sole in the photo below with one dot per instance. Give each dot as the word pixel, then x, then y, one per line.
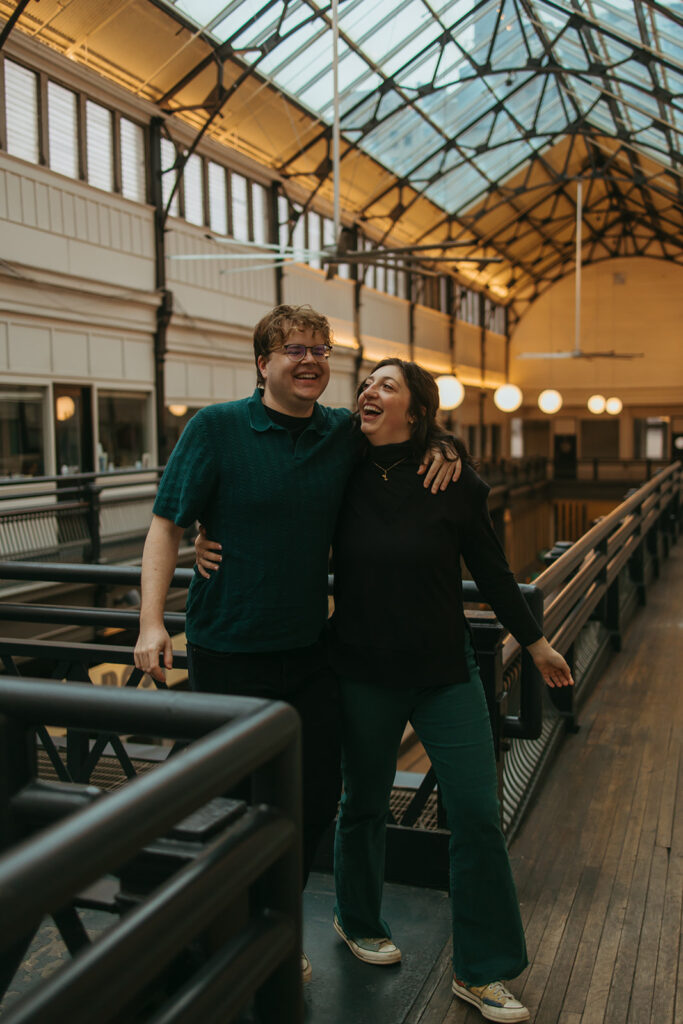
pixel 490 1012
pixel 367 956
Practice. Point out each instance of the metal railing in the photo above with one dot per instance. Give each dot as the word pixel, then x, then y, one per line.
pixel 585 600
pixel 80 517
pixel 590 593
pixel 95 517
pixel 198 887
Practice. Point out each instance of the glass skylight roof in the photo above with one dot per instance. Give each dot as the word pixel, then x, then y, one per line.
pixel 453 96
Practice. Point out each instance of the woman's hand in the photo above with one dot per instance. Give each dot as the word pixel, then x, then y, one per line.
pixel 550 664
pixel 440 470
pixel 206 553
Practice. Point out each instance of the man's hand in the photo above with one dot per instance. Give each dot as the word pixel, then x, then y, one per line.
pixel 153 640
pixel 207 553
pixel 550 664
pixel 159 559
pixel 440 470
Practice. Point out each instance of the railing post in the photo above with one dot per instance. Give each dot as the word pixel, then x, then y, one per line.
pixel 652 541
pixel 93 515
pixel 488 640
pixel 612 614
pixel 636 567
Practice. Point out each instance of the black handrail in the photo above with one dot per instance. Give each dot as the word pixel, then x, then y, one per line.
pixel 41 875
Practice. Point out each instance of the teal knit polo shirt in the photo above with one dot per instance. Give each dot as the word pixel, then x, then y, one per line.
pixel 272 504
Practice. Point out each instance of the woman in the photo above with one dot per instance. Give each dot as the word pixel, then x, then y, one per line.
pixel 401 647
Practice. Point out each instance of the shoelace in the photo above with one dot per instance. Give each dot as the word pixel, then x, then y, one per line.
pixel 497 988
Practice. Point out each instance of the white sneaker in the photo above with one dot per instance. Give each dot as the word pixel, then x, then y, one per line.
pixel 493 1001
pixel 370 951
pixel 306 969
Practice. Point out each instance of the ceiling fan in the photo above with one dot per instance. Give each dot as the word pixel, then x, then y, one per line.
pixel 577 352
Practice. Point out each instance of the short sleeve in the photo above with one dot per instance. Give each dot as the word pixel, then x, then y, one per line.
pixel 190 476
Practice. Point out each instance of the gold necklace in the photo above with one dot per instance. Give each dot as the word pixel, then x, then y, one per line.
pixel 387 469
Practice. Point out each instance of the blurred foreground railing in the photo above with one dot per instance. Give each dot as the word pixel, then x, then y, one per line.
pixel 210 887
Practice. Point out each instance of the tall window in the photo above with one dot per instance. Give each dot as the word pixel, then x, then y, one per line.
pixel 132 140
pixel 314 234
pixel 240 207
pixel 194 190
pixel 218 199
pixel 99 146
pixel 21 112
pixel 62 123
pixel 168 158
pixel 122 422
pixel 259 207
pixel 22 440
pixel 299 235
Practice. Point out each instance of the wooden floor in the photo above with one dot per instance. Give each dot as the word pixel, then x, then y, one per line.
pixel 599 858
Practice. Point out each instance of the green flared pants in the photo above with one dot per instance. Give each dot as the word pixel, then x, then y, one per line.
pixel 453 724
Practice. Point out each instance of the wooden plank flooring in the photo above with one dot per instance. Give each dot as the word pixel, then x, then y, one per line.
pixel 599 858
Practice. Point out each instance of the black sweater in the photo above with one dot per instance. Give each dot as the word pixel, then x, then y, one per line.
pixel 399 615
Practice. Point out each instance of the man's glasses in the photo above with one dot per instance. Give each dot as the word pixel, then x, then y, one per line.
pixel 297 352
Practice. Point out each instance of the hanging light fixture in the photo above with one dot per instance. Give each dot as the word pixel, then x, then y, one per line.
pixel 550 401
pixel 177 410
pixel 614 406
pixel 507 397
pixel 596 404
pixel 451 391
pixel 65 407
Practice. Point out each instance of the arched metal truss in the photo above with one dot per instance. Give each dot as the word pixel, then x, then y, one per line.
pixel 462 121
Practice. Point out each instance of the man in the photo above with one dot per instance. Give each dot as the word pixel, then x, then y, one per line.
pixel 265 476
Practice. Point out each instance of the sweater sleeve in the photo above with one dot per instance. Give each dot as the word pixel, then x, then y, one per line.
pixel 189 479
pixel 485 558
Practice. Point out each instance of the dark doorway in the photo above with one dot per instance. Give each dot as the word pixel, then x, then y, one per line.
pixel 564 452
pixel 73 429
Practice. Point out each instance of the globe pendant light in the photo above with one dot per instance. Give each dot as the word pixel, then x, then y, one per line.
pixel 451 391
pixel 614 406
pixel 596 404
pixel 550 401
pixel 507 397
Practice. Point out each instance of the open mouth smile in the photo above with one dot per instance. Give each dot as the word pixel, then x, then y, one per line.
pixel 371 411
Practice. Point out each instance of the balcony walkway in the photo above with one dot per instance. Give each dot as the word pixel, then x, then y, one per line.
pixel 598 863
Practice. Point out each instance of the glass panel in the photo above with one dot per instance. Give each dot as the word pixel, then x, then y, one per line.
pixel 240 208
pixel 299 236
pixel 133 170
pixel 259 206
pixel 283 221
pixel 62 122
pixel 122 424
pixel 98 138
pixel 194 190
pixel 218 199
pixel 175 424
pixel 168 177
pixel 314 230
pixel 21 112
pixel 22 440
pixel 72 422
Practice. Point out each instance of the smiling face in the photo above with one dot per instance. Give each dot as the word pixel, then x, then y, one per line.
pixel 383 404
pixel 293 388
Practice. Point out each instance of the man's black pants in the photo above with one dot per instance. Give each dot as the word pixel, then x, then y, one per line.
pixel 302 678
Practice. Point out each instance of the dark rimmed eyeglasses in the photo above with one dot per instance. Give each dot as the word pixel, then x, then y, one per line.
pixel 298 352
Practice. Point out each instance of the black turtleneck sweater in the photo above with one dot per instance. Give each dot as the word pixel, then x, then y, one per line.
pixel 399 617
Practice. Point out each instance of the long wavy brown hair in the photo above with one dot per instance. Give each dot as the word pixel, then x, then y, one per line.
pixel 425 431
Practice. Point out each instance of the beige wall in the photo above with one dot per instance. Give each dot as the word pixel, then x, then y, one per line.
pixel 631 305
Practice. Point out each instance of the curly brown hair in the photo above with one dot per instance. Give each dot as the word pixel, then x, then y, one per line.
pixel 272 331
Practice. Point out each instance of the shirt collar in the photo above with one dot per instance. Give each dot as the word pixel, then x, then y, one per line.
pixel 261 421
